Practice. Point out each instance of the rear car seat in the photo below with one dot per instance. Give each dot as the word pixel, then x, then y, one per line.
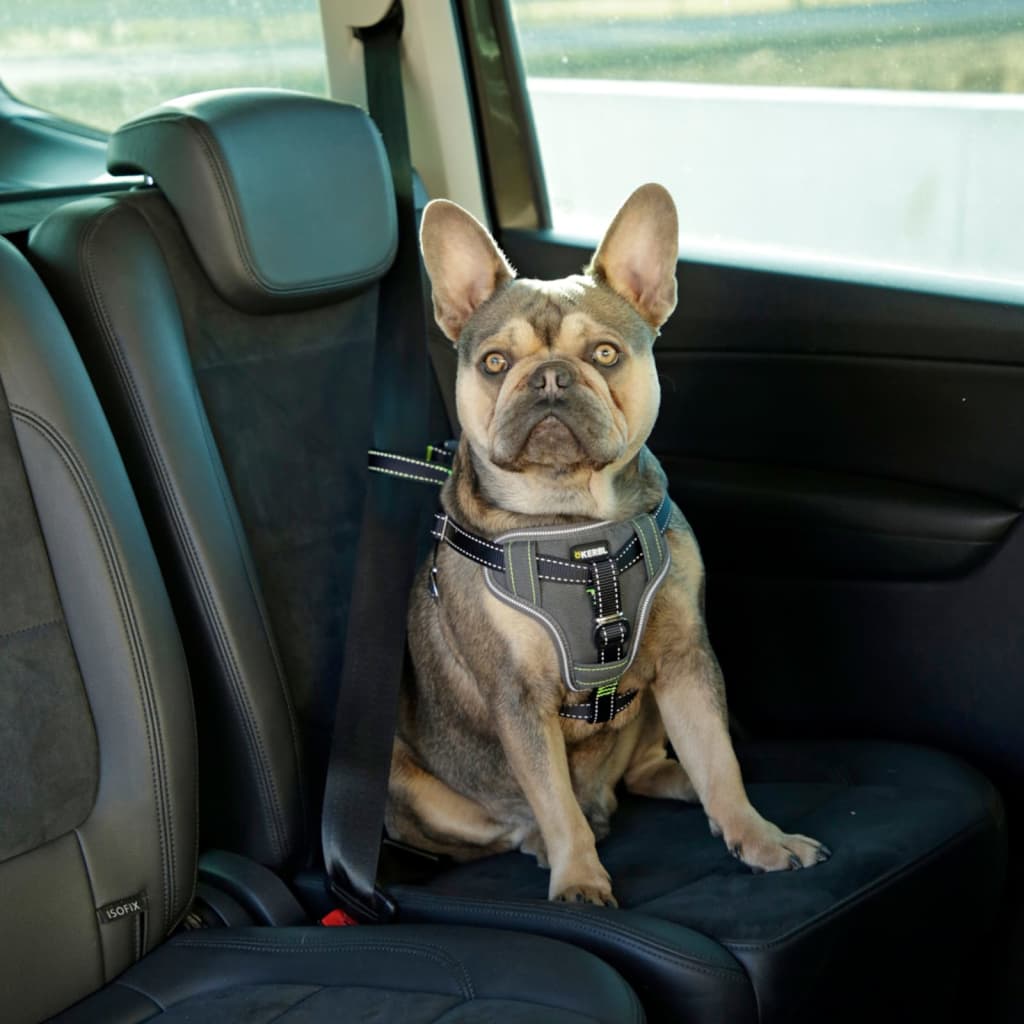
pixel 227 317
pixel 98 834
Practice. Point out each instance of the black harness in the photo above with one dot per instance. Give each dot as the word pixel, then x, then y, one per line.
pixel 594 603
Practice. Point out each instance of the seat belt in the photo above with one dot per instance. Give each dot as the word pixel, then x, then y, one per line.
pixel 393 523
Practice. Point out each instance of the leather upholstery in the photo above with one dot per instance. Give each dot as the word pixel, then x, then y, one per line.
pixel 287 200
pixel 139 834
pixel 680 940
pixel 104 265
pixel 415 974
pixel 134 848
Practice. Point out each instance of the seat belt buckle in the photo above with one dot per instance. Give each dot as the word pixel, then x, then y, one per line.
pixel 379 909
pixel 337 919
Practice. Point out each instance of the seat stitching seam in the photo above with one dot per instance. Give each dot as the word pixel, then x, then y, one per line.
pixel 140 666
pixel 452 963
pixel 257 748
pixel 275 655
pixel 221 174
pixel 31 629
pixel 92 896
pixel 288 1009
pixel 121 983
pixel 614 932
pixel 255 744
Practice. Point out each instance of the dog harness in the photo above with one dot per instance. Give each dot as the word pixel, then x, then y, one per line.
pixel 591 587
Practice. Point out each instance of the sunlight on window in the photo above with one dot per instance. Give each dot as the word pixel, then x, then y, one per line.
pixel 100 62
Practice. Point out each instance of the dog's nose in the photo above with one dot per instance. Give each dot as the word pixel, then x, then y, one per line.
pixel 552 378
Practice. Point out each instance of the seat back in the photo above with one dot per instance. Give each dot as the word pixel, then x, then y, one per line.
pixel 97 739
pixel 227 318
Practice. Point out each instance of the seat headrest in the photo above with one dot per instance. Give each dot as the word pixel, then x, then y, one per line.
pixel 286 198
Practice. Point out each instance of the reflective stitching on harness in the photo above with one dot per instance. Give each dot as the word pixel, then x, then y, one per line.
pixel 617 643
pixel 404 476
pixel 643 544
pixel 480 540
pixel 468 554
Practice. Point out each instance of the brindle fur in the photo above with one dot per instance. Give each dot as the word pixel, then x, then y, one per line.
pixel 483 763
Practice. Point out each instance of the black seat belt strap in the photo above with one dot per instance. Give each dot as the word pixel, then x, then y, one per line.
pixel 367 704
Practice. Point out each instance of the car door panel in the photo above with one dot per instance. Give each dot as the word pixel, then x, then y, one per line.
pixel 850 459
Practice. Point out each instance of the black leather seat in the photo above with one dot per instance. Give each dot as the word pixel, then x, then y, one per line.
pixel 226 318
pixel 97 771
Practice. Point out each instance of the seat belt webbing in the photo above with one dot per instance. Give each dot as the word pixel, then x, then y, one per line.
pixel 367 704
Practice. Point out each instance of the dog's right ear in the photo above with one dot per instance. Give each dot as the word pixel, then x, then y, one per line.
pixel 464 263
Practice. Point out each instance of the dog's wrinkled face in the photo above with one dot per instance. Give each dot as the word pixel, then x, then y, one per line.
pixel 556 376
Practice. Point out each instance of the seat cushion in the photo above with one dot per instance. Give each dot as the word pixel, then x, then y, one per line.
pixel 917 867
pixel 405 973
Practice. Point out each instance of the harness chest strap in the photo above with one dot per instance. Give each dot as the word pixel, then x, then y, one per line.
pixel 593 567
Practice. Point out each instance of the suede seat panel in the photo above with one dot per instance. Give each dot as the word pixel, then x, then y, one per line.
pixel 918 862
pixel 879 807
pixel 292 432
pixel 49 762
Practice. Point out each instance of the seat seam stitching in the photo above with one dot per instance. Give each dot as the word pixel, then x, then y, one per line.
pixel 221 174
pixel 92 896
pixel 255 745
pixel 447 960
pixel 31 629
pixel 154 738
pixel 121 983
pixel 288 1009
pixel 613 932
pixel 257 600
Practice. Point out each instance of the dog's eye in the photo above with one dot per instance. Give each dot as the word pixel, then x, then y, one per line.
pixel 495 362
pixel 606 354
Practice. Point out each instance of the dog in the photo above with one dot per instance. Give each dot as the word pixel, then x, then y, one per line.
pixel 557 393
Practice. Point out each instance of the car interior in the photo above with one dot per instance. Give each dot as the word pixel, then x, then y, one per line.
pixel 209 312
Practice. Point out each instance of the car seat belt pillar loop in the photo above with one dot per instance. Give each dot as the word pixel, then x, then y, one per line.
pixel 366 709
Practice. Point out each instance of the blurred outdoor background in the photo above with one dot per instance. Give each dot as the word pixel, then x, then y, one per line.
pixel 944 45
pixel 100 61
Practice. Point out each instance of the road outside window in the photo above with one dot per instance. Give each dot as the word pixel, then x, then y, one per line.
pixel 875 141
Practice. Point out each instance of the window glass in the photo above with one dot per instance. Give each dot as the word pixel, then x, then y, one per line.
pixel 878 140
pixel 102 61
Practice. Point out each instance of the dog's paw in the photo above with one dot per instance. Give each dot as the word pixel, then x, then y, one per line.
pixel 763 846
pixel 597 895
pixel 578 886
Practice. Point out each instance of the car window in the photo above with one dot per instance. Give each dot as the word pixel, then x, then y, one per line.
pixel 876 140
pixel 99 62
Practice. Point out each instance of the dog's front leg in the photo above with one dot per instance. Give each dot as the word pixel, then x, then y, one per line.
pixel 533 743
pixel 690 694
pixel 691 698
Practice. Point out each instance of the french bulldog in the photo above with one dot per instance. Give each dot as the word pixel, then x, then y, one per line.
pixel 557 393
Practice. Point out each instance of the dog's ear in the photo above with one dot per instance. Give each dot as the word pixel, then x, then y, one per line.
pixel 637 256
pixel 464 263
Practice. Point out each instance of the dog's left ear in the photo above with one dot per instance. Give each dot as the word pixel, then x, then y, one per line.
pixel 637 256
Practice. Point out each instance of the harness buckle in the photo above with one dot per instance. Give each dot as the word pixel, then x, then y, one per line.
pixel 606 633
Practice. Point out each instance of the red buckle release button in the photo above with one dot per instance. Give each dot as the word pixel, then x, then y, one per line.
pixel 337 919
